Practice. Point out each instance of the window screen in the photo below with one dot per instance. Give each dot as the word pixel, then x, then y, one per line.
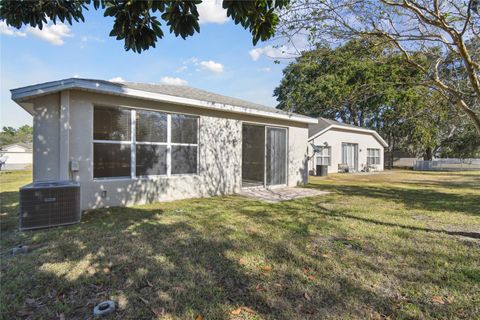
pixel 184 129
pixel 184 159
pixel 151 126
pixel 151 160
pixel 150 143
pixel 111 160
pixel 323 158
pixel 373 156
pixel 111 124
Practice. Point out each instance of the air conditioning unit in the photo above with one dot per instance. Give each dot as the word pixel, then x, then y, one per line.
pixel 49 204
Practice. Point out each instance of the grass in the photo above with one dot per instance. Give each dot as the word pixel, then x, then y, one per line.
pixel 398 245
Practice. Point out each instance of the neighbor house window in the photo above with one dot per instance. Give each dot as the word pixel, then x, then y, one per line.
pixel 373 156
pixel 324 156
pixel 161 143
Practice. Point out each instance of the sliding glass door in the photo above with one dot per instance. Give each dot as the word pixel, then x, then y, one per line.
pixel 276 156
pixel 264 155
pixel 253 155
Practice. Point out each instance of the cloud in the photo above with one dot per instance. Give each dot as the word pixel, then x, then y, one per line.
pixel 212 66
pixel 272 52
pixel 10 31
pixel 173 81
pixel 117 79
pixel 211 11
pixel 51 33
pixel 181 69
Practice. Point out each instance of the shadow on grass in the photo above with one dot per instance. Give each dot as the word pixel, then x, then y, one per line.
pixel 423 199
pixel 146 262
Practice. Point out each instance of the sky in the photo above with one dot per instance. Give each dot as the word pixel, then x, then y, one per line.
pixel 221 59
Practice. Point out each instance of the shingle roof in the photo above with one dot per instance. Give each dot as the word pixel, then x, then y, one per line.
pixel 324 123
pixel 27 146
pixel 209 99
pixel 199 94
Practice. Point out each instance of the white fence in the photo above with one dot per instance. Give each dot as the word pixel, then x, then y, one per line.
pixel 447 165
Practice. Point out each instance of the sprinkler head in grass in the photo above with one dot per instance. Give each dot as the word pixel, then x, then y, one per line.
pixel 104 308
pixel 20 249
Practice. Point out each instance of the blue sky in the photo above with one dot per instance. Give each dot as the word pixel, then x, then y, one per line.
pixel 220 59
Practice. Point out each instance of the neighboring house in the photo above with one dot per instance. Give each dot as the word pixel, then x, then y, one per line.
pixel 344 146
pixel 16 156
pixel 132 143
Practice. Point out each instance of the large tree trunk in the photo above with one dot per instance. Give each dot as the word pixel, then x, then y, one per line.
pixel 427 155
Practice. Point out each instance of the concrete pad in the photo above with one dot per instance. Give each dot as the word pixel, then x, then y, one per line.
pixel 280 194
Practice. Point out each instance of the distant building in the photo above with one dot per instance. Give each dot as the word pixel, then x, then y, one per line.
pixel 16 156
pixel 344 147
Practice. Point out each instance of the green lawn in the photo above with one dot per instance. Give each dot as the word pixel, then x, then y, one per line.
pixel 398 245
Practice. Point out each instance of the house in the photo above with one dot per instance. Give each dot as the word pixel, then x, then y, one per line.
pixel 17 156
pixel 131 143
pixel 344 147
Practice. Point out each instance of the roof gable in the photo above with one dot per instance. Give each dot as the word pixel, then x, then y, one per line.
pixel 315 130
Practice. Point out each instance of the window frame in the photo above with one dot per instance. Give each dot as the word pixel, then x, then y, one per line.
pixel 133 144
pixel 376 158
pixel 322 156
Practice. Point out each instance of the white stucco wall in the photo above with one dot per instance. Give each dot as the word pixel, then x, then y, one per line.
pixel 335 138
pixel 220 151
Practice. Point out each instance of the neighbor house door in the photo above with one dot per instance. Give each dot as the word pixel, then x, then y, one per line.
pixel 350 155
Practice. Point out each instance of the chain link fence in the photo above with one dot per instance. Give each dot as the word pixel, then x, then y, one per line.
pixel 447 165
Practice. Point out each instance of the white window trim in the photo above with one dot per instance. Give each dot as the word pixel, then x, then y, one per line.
pixel 323 156
pixel 376 162
pixel 133 143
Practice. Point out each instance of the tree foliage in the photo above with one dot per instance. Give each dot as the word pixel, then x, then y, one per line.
pixel 439 29
pixel 10 135
pixel 368 85
pixel 138 23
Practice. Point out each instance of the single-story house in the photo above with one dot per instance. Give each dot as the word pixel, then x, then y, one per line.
pixel 16 156
pixel 344 147
pixel 130 143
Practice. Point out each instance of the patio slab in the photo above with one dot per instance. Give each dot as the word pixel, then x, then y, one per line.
pixel 280 194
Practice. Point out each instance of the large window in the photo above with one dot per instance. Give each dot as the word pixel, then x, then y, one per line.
pixel 373 156
pixel 112 142
pixel 161 143
pixel 324 156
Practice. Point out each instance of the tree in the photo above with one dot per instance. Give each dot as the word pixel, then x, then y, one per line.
pixel 10 135
pixel 138 23
pixel 438 29
pixel 368 85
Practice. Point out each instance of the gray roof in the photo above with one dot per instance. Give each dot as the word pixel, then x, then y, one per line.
pixel 26 145
pixel 199 94
pixel 21 94
pixel 324 123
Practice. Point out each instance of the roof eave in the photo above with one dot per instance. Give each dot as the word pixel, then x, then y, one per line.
pixel 373 132
pixel 23 94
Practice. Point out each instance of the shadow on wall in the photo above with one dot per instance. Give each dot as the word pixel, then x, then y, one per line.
pixel 219 171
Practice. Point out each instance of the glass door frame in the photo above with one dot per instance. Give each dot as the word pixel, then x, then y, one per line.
pixel 266 126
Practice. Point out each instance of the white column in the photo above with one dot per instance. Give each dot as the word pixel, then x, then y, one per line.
pixel 64 147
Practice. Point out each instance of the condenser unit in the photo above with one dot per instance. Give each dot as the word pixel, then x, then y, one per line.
pixel 49 204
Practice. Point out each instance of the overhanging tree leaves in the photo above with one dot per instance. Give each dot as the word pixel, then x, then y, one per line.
pixel 138 23
pixel 438 29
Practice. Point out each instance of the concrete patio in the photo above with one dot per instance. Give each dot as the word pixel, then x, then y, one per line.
pixel 280 194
